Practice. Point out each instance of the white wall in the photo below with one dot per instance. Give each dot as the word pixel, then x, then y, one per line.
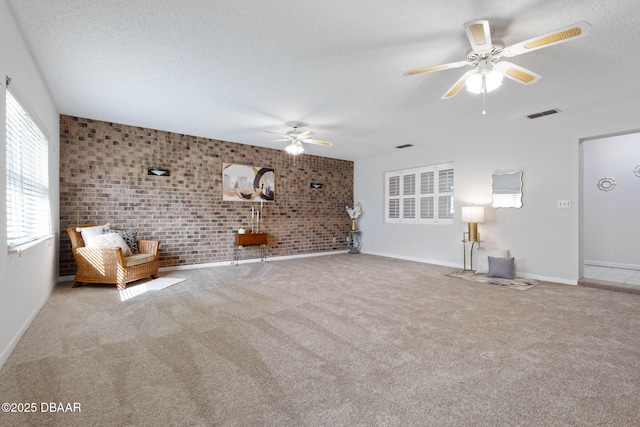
pixel 27 279
pixel 611 218
pixel 545 240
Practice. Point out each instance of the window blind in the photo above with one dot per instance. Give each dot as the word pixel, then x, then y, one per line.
pixel 27 154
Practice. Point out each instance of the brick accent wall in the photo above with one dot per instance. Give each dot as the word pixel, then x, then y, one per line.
pixel 103 178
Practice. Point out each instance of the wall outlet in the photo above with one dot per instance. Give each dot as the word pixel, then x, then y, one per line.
pixel 564 204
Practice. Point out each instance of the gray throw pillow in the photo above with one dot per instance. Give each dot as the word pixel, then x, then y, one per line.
pixel 129 236
pixel 501 267
pixel 481 258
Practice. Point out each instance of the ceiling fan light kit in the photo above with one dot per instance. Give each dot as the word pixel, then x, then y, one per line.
pixel 484 81
pixel 294 148
pixel 486 58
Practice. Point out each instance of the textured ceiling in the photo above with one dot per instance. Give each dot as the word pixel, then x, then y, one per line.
pixel 232 69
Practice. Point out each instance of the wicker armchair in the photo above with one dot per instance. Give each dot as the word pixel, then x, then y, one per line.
pixel 103 264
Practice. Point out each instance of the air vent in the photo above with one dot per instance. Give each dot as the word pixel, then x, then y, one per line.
pixel 404 146
pixel 543 113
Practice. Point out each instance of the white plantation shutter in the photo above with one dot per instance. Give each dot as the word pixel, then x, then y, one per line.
pixel 422 195
pixel 445 207
pixel 409 196
pixel 427 210
pixel 409 185
pixel 445 181
pixel 393 199
pixel 27 152
pixel 427 195
pixel 409 208
pixel 445 193
pixel 394 209
pixel 426 183
pixel 394 186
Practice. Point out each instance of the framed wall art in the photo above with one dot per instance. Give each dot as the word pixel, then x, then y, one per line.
pixel 248 183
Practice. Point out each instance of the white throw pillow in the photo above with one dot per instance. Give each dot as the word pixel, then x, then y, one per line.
pixel 111 239
pixel 88 233
pixel 482 261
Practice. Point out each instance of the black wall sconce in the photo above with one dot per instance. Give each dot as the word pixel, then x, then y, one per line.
pixel 316 185
pixel 158 171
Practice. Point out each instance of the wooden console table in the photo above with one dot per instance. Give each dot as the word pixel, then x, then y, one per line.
pixel 251 239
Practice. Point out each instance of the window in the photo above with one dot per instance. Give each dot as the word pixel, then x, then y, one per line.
pixel 420 196
pixel 28 212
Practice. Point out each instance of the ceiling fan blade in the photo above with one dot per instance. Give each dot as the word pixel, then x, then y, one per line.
pixel 436 68
pixel 571 32
pixel 479 35
pixel 304 134
pixel 517 73
pixel 315 141
pixel 458 85
pixel 277 133
pixel 279 140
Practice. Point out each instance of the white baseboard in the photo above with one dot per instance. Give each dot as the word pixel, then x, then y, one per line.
pixel 457 265
pixel 406 258
pixel 248 261
pixel 280 258
pixel 226 263
pixel 548 279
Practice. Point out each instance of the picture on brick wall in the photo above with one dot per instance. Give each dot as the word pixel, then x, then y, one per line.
pixel 248 183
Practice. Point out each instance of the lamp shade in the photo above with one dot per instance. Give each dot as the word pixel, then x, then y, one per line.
pixel 472 214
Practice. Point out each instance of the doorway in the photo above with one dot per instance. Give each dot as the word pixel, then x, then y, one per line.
pixel 610 208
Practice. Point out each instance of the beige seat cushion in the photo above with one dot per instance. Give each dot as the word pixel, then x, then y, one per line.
pixel 138 259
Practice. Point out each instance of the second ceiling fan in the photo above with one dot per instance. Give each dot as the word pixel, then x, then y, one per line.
pixel 296 138
pixel 485 58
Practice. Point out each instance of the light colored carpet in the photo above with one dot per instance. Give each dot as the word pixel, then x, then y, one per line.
pixel 340 340
pixel 518 283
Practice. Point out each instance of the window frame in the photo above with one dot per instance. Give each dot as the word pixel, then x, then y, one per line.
pixel 398 196
pixel 27 186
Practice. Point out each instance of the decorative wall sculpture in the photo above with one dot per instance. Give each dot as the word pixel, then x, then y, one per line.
pixel 607 184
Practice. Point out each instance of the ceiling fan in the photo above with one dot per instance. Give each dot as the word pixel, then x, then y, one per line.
pixel 296 138
pixel 485 58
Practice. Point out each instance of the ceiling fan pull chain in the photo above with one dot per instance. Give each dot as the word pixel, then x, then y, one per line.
pixel 484 94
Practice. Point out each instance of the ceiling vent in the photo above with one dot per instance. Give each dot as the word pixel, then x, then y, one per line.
pixel 543 113
pixel 404 146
